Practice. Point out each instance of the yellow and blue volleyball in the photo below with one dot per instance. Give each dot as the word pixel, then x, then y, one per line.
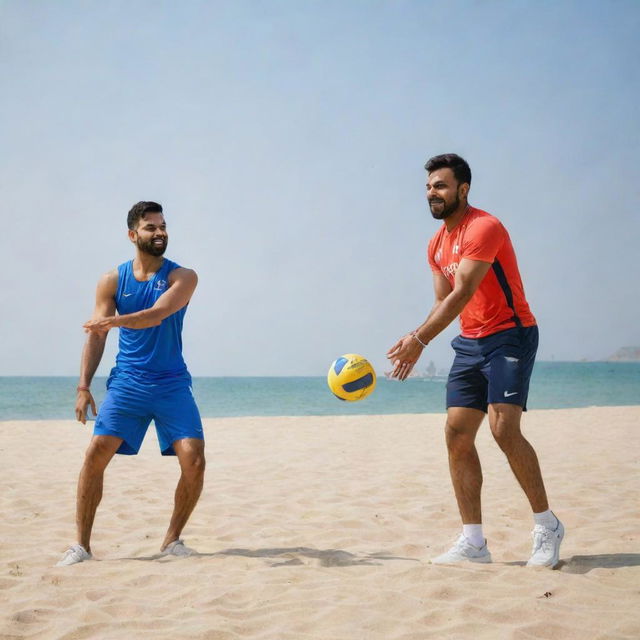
pixel 351 377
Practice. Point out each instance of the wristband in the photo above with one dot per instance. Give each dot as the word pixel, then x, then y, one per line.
pixel 415 335
pixel 82 388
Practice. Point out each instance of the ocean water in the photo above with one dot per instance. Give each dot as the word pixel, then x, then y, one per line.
pixel 554 385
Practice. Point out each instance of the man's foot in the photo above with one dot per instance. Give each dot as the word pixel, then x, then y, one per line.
pixel 74 554
pixel 546 546
pixel 178 548
pixel 464 551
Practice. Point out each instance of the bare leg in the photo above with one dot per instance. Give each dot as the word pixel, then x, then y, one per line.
pixel 464 464
pixel 190 452
pixel 98 455
pixel 504 420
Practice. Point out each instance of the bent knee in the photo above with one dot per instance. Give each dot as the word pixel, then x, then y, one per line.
pixel 458 440
pixel 194 465
pixel 506 434
pixel 100 451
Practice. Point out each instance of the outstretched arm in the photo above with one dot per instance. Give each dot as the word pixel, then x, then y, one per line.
pixel 469 275
pixel 405 353
pixel 182 283
pixel 94 346
pixel 441 289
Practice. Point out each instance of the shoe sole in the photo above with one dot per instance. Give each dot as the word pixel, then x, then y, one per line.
pixel 482 560
pixel 70 564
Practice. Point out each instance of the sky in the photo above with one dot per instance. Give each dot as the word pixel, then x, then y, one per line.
pixel 286 141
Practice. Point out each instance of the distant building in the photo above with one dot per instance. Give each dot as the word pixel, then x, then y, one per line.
pixel 625 354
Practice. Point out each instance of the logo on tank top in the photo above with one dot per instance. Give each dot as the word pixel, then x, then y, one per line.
pixel 161 285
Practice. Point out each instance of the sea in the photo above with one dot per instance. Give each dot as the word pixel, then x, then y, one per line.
pixel 554 385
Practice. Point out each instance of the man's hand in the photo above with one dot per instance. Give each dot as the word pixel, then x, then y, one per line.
pixel 404 354
pixel 84 399
pixel 99 325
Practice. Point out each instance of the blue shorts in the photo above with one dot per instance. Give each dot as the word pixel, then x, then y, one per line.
pixel 493 369
pixel 133 400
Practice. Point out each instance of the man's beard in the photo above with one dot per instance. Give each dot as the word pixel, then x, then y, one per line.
pixel 446 210
pixel 150 248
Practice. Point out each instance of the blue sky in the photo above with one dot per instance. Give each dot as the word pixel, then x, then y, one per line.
pixel 286 141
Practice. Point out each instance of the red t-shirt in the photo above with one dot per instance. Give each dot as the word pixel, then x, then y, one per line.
pixel 499 302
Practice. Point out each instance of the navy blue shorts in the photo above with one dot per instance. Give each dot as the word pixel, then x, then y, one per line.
pixel 132 401
pixel 493 369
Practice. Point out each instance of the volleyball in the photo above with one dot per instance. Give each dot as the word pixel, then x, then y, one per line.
pixel 351 377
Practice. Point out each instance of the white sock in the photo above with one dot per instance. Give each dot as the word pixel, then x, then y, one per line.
pixel 546 519
pixel 473 533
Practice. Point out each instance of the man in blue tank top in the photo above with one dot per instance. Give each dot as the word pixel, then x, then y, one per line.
pixel 146 298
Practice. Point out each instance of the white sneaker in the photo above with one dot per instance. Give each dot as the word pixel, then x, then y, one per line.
pixel 74 554
pixel 178 548
pixel 464 551
pixel 546 546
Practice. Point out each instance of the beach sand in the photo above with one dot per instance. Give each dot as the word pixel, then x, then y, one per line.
pixel 321 528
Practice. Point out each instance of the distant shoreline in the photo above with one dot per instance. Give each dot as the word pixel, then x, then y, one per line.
pixel 554 385
pixel 611 360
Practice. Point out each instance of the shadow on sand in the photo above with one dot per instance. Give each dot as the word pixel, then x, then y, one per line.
pixel 325 557
pixel 584 564
pixel 290 556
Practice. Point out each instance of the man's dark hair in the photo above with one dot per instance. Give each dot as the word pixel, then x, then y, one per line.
pixel 140 210
pixel 458 165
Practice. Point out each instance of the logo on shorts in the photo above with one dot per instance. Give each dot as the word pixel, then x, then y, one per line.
pixel 161 285
pixel 508 394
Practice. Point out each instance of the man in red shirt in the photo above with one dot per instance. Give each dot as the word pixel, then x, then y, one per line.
pixel 475 276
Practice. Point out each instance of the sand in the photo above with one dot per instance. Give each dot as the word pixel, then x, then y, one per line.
pixel 321 528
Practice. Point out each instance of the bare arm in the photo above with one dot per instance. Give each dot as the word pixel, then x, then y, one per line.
pixel 441 289
pixel 182 284
pixel 94 346
pixel 449 304
pixel 469 275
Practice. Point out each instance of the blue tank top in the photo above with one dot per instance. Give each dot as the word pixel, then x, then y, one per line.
pixel 157 350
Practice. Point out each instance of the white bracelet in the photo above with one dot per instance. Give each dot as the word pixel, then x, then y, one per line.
pixel 415 335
